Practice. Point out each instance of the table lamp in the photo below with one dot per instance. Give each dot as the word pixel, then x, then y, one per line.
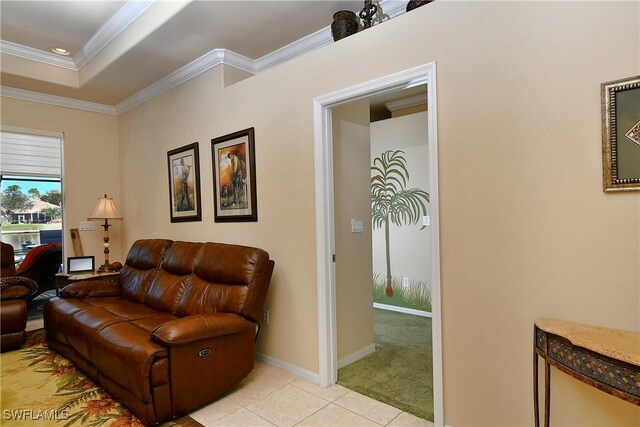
pixel 105 210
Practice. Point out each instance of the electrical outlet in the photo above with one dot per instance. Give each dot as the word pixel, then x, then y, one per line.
pixel 265 316
pixel 405 282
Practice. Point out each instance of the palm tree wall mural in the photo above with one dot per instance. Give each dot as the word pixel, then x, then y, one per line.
pixel 391 201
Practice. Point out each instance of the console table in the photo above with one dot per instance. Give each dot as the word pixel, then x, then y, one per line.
pixel 608 359
pixel 63 279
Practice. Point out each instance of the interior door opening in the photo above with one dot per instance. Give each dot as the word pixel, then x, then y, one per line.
pixel 383 293
pixel 329 226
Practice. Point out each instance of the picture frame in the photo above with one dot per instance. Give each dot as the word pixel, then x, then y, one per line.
pixel 184 183
pixel 234 177
pixel 621 134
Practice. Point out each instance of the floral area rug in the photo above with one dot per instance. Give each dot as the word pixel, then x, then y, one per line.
pixel 41 387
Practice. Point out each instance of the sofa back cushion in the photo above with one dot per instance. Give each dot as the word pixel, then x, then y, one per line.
pixel 170 281
pixel 227 279
pixel 143 260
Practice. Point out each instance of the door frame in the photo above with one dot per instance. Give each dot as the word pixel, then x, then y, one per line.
pixel 325 225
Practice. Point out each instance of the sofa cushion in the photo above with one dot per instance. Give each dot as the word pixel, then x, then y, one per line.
pixel 85 325
pixel 169 283
pixel 224 281
pixel 143 260
pixel 58 314
pixel 126 354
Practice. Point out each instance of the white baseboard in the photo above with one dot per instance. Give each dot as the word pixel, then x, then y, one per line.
pixel 289 368
pixel 402 310
pixel 356 356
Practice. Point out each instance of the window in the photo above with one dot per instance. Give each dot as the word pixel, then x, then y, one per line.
pixel 31 188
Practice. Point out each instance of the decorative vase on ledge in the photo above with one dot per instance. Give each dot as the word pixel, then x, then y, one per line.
pixel 345 23
pixel 416 3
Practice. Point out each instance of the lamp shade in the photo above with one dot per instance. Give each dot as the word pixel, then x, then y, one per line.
pixel 105 209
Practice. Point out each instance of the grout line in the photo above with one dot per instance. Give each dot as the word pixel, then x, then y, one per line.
pixel 302 420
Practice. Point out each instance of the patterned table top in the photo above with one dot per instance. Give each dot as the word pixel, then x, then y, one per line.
pixel 615 343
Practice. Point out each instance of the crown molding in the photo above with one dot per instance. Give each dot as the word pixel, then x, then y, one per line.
pixel 396 7
pixel 131 11
pixel 297 48
pixel 318 39
pixel 204 63
pixel 38 55
pixel 406 102
pixel 60 101
pixel 119 22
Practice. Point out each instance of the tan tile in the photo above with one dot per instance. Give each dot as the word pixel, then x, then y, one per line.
pixel 257 384
pixel 367 407
pixel 409 420
pixel 275 372
pixel 213 411
pixel 240 418
pixel 335 416
pixel 287 406
pixel 34 324
pixel 328 393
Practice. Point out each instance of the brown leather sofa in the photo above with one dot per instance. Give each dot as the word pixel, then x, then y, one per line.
pixel 175 331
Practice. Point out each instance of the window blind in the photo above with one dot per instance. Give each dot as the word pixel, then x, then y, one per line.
pixel 28 155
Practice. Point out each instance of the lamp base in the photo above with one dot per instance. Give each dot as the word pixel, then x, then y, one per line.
pixel 106 268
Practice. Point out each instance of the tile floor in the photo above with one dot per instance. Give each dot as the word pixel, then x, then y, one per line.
pixel 271 397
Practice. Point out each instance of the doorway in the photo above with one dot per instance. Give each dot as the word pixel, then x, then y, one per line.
pixel 326 226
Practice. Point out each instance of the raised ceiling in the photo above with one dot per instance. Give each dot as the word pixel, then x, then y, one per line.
pixel 124 52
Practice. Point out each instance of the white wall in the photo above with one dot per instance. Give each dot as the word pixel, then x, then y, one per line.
pixel 409 246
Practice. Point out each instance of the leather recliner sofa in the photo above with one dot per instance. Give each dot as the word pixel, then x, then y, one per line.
pixel 175 331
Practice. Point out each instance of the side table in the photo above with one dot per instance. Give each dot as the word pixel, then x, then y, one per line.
pixel 63 279
pixel 607 359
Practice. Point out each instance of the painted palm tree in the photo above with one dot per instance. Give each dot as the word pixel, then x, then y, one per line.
pixel 391 202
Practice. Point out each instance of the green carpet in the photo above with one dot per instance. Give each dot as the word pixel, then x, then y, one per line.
pixel 400 371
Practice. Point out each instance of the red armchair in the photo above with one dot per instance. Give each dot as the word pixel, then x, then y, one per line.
pixel 41 265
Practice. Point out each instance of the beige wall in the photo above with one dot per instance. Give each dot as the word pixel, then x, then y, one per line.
pixel 352 200
pixel 526 230
pixel 91 166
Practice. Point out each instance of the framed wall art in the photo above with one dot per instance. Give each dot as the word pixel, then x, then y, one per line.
pixel 234 177
pixel 621 134
pixel 184 183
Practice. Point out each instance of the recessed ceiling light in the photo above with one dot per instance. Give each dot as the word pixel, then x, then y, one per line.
pixel 60 51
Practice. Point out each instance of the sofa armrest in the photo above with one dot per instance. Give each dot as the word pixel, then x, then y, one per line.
pixel 199 327
pixel 91 288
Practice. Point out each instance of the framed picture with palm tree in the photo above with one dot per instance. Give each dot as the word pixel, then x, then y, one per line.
pixel 392 202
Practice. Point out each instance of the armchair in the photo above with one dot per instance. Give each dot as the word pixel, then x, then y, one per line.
pixel 41 265
pixel 14 292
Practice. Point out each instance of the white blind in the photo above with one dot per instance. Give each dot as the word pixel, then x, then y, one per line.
pixel 22 154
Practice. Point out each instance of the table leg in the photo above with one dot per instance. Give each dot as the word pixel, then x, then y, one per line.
pixel 547 393
pixel 536 408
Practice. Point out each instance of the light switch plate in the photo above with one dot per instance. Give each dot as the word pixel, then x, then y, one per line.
pixel 357 225
pixel 85 226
